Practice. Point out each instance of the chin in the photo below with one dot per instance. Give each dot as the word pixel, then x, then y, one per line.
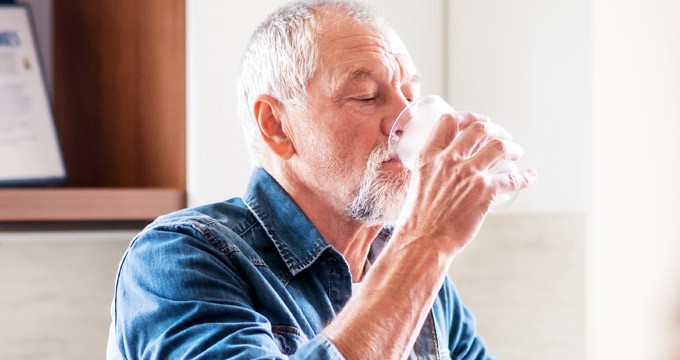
pixel 395 173
pixel 380 198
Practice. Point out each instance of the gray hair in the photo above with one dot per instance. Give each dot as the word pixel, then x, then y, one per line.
pixel 282 56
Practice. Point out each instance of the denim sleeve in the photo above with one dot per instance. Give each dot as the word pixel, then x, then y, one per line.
pixel 464 343
pixel 179 297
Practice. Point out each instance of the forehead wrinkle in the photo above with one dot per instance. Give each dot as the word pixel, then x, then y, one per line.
pixel 337 40
pixel 378 40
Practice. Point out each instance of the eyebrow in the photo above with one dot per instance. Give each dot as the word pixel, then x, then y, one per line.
pixel 356 74
pixel 362 73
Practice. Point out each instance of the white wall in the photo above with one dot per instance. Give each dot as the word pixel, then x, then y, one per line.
pixel 634 242
pixel 523 279
pixel 217 160
pixel 527 65
pixel 591 89
pixel 55 292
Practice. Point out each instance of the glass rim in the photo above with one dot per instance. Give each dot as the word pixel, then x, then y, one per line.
pixel 413 106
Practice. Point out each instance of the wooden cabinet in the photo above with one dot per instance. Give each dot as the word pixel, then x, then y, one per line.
pixel 120 108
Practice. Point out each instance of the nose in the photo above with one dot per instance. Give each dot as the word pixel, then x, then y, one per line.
pixel 393 108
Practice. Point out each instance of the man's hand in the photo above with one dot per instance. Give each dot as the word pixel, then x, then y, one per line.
pixel 452 189
pixel 450 194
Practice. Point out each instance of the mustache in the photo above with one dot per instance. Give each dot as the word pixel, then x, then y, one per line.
pixel 379 155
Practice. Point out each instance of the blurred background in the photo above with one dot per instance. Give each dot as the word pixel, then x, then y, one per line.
pixel 584 265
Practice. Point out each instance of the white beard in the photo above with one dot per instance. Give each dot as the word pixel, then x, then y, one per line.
pixel 381 194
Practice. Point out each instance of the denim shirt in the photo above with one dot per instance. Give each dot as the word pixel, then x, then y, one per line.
pixel 251 278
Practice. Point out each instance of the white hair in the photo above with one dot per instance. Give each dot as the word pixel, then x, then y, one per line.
pixel 281 58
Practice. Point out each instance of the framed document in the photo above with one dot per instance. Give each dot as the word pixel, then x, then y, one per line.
pixel 29 146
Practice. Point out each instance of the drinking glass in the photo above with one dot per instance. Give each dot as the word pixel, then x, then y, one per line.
pixel 412 129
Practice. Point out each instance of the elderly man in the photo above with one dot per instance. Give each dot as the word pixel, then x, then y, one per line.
pixel 336 250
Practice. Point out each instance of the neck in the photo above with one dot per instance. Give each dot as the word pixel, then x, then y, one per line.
pixel 349 237
pixel 354 245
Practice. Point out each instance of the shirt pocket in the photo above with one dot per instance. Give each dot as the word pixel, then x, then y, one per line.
pixel 288 338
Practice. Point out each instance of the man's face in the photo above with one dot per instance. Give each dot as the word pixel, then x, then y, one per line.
pixel 364 79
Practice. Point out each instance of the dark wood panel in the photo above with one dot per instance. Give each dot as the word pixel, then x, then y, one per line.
pixel 119 98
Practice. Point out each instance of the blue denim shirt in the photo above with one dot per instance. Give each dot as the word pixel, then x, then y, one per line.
pixel 250 278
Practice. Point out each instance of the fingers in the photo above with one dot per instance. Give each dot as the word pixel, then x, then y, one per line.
pixel 493 151
pixel 481 147
pixel 514 181
pixel 482 143
pixel 464 152
pixel 475 136
pixel 467 118
pixel 449 127
pixel 470 138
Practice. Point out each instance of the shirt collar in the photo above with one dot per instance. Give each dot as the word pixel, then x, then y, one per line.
pixel 296 239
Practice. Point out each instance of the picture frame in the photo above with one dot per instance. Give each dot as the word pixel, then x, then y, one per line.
pixel 30 152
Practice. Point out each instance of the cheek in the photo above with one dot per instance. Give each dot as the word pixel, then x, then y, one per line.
pixel 346 138
pixel 360 126
pixel 343 154
pixel 356 142
pixel 319 144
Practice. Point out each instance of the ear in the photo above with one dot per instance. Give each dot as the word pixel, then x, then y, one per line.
pixel 268 111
